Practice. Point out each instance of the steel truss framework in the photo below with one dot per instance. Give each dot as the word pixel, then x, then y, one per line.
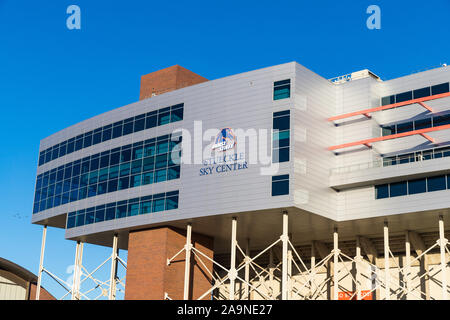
pixel 296 278
pixel 97 288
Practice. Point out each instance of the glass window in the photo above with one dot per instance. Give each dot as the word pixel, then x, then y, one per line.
pixel 388 100
pixel 404 96
pixel 280 185
pixel 107 133
pixel 147 178
pixel 398 189
pixel 161 175
pixel 100 215
pixel 90 215
pixel 441 120
pixel 128 126
pixel 135 181
pixel 121 211
pixel 151 121
pixel 117 130
pixel 112 185
pixel 404 127
pixel 282 89
pixel 163 118
pixel 422 124
pixel 382 191
pixel 124 183
pixel 417 186
pixel 388 130
pixel 110 213
pixel 436 183
pixel 146 207
pixel 158 205
pixel 139 124
pixel 420 93
pixel 440 88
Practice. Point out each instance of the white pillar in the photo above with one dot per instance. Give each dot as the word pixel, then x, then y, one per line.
pixel 358 277
pixel 335 264
pixel 313 270
pixel 187 263
pixel 443 244
pixel 284 270
pixel 77 271
pixel 232 274
pixel 407 263
pixel 247 270
pixel 113 274
pixel 386 260
pixel 289 279
pixel 41 263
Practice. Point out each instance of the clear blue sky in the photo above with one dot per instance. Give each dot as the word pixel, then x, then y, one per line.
pixel 52 77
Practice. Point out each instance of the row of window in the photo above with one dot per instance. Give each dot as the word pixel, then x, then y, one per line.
pixel 434 121
pixel 121 209
pixel 281 136
pixel 417 156
pixel 282 89
pixel 403 188
pixel 130 166
pixel 280 185
pixel 415 94
pixel 111 131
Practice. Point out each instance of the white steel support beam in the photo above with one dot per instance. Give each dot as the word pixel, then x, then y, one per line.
pixel 289 272
pixel 113 274
pixel 77 271
pixel 232 272
pixel 313 269
pixel 407 265
pixel 284 266
pixel 41 262
pixel 358 260
pixel 187 263
pixel 335 264
pixel 247 270
pixel 386 260
pixel 443 244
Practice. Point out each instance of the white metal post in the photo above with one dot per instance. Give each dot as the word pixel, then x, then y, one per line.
pixel 443 244
pixel 289 281
pixel 284 270
pixel 75 271
pixel 247 270
pixel 113 275
pixel 187 264
pixel 41 263
pixel 407 264
pixel 313 269
pixel 232 274
pixel 358 258
pixel 335 264
pixel 386 260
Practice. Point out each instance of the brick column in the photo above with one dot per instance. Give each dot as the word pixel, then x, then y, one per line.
pixel 149 276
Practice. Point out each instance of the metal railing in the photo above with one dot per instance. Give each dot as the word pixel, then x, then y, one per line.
pixel 418 156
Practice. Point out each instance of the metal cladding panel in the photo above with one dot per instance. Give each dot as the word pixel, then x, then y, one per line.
pixel 243 102
pixel 314 102
pixel 359 201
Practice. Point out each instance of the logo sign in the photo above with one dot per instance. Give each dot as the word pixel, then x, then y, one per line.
pixel 224 163
pixel 225 140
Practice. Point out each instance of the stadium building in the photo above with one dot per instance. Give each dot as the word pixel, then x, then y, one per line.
pixel 270 184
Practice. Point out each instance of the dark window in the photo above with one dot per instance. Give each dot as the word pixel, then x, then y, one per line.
pixel 404 127
pixel 382 191
pixel 417 186
pixel 176 114
pixel 117 129
pixel 128 126
pixel 422 123
pixel 405 96
pixel 282 89
pixel 388 100
pixel 139 124
pixel 420 93
pixel 441 120
pixel 280 185
pixel 151 120
pixel 388 130
pixel 398 189
pixel 436 183
pixel 107 133
pixel 440 88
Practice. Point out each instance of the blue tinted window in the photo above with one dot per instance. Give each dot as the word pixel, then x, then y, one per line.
pixel 440 88
pixel 420 93
pixel 417 186
pixel 398 189
pixel 388 100
pixel 436 183
pixel 405 96
pixel 282 89
pixel 280 185
pixel 382 191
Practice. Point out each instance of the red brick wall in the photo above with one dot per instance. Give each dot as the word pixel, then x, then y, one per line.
pixel 168 79
pixel 43 295
pixel 149 276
